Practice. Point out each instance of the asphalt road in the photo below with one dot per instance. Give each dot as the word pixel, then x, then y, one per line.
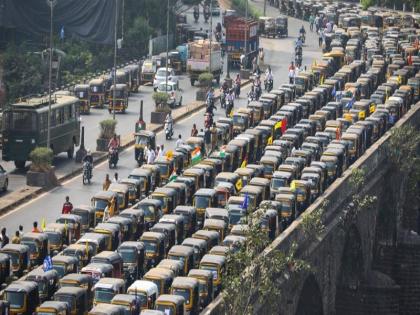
pixel 278 53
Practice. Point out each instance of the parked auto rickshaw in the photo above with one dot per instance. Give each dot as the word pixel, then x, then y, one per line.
pixel 267 220
pixel 73 226
pixel 258 109
pixel 155 175
pixel 169 230
pixel 47 282
pixel 185 254
pixel 87 215
pixel 189 182
pixel 81 91
pixel 245 174
pixel 215 264
pixel 136 216
pixel 53 308
pixel 154 244
pixel 77 298
pixel 211 237
pixel 175 266
pixel 196 142
pixel 118 98
pixel 220 226
pixel 130 303
pixel 78 280
pixel 240 123
pixel 56 237
pixel 64 265
pixel 146 291
pixel 152 209
pixel 112 232
pixel 98 242
pixel 223 192
pixel 254 195
pixel 189 214
pixel 123 195
pixel 199 246
pixel 171 304
pixel 133 257
pixel 97 93
pixel 287 211
pixel 19 257
pixel 112 258
pixel 97 271
pixel 23 297
pixel 125 225
pixel 209 173
pixel 106 288
pixel 264 183
pixel 109 309
pixel 134 189
pixel 303 194
pixel 203 198
pixel 38 247
pixel 105 204
pixel 178 222
pixel 205 285
pixel 162 278
pixel 270 164
pixel 229 177
pixel 168 198
pixel 188 288
pixel 145 176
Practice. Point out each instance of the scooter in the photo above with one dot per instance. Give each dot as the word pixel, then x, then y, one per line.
pixel 223 99
pixel 218 37
pixel 257 92
pixel 251 96
pixel 268 85
pixel 229 108
pixel 113 158
pixel 196 16
pixel 169 131
pixel 298 60
pixel 87 173
pixel 302 37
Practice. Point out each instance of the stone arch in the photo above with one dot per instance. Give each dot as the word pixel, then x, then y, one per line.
pixel 310 299
pixel 350 276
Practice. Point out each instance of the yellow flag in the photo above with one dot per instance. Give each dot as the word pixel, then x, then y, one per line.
pixel 399 80
pixel 270 140
pixel 362 115
pixel 231 114
pixel 243 165
pixel 277 125
pixel 372 108
pixel 87 249
pixel 322 79
pixel 238 184
pixel 169 155
pixel 43 224
pixel 386 94
pixel 293 185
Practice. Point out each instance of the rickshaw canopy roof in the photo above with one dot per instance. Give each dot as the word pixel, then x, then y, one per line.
pixel 74 291
pixel 22 286
pixel 213 259
pixel 210 192
pixel 160 273
pixel 55 305
pixel 110 283
pixel 146 286
pixel 185 282
pixel 35 236
pixel 107 195
pixel 15 248
pixel 152 236
pixel 171 298
pixel 181 250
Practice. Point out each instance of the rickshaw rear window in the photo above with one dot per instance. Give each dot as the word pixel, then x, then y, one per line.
pixel 213 269
pixel 100 204
pixel 65 298
pixel 238 120
pixel 163 168
pixel 201 202
pixel 32 246
pixel 119 94
pixel 235 217
pixel 149 211
pixel 54 238
pixel 278 182
pixel 166 309
pixel 20 121
pixel 127 255
pixel 104 295
pixel 142 140
pixel 163 199
pixel 150 246
pixel 268 169
pixel 179 258
pixel 16 299
pixel 185 293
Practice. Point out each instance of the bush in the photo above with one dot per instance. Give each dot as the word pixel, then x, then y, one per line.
pixel 41 158
pixel 367 3
pixel 107 128
pixel 205 79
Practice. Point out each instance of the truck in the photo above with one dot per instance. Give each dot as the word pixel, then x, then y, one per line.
pixel 201 59
pixel 241 32
pixel 148 70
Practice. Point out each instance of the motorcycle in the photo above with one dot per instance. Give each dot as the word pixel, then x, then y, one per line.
pixel 206 16
pixel 302 37
pixel 169 131
pixel 268 85
pixel 257 92
pixel 223 99
pixel 251 96
pixel 196 16
pixel 113 158
pixel 298 60
pixel 218 37
pixel 87 173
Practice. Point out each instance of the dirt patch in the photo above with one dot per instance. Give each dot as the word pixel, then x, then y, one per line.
pixel 225 4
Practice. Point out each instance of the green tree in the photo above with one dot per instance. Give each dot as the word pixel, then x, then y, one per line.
pixel 367 3
pixel 137 36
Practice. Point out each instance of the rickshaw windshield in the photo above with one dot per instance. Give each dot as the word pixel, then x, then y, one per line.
pixel 162 199
pixel 163 168
pixel 16 299
pixel 150 246
pixel 119 93
pixel 33 248
pixel 96 89
pixel 278 182
pixel 100 204
pixel 104 295
pixel 14 258
pixel 166 309
pixel 149 211
pixel 185 293
pixel 54 238
pixel 121 198
pixel 213 269
pixel 61 270
pixel 235 216
pixel 142 140
pixel 94 246
pixel 66 298
pixel 201 202
pixel 238 120
pixel 142 298
pixel 299 81
pixel 127 255
pixel 221 198
pixel 268 168
pixel 179 258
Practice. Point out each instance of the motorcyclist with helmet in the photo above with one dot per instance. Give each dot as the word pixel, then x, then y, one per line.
pixel 268 79
pixel 196 13
pixel 113 147
pixel 302 33
pixel 169 126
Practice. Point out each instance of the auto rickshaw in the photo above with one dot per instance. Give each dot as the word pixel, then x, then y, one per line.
pixel 240 123
pixel 97 91
pixel 254 195
pixel 178 221
pixel 203 198
pixel 189 214
pixel 287 211
pixel 125 225
pixel 5 269
pixel 106 288
pixel 47 282
pixel 87 215
pixel 112 258
pixel 98 242
pixel 168 198
pixel 145 176
pixel 185 254
pixel 56 237
pixel 77 298
pixel 209 173
pixel 270 164
pixel 137 221
pixel 199 246
pixel 118 98
pixel 134 189
pixel 303 194
pixel 154 244
pixel 188 288
pixel 130 303
pixel 223 192
pixel 314 181
pixel 258 109
pixel 105 204
pixel 245 174
pixel 81 91
pixel 19 256
pixel 64 265
pixel 189 182
pixel 215 264
pixel 161 277
pixel 108 309
pixel 175 266
pixel 166 167
pixel 146 291
pixel 53 308
pixel 220 226
pixel 97 271
pixel 152 209
pixel 196 142
pixel 38 247
pixel 205 285
pixel 78 280
pixel 133 257
pixel 169 230
pixel 122 194
pixel 112 232
pixel 171 304
pixel 134 72
pixel 236 213
pixel 211 237
pixel 155 175
pixel 23 297
pixel 81 252
pixel 264 183
pixel 281 25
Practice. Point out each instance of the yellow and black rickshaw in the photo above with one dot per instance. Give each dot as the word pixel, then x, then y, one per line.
pixel 133 256
pixel 19 256
pixel 145 176
pixel 215 264
pixel 302 190
pixel 143 139
pixel 56 237
pixel 154 244
pixel 264 183
pixel 112 258
pixel 47 282
pixel 78 280
pixel 146 291
pixel 97 241
pixel 5 269
pixel 81 252
pixel 270 164
pixel 189 214
pixel 113 234
pixel 73 225
pixel 105 204
pixel 173 265
pixel 240 123
pixel 77 298
pixel 87 215
pixel 134 73
pixel 152 209
pixel 211 237
pixel 188 288
pixel 81 91
pixel 267 221
pixel 134 189
pixel 128 302
pixel 23 297
pixel 97 271
pixel 258 109
pixel 204 198
pixel 171 304
pixel 168 198
pixel 137 225
pixel 178 221
pixel 220 226
pixel 38 247
pixel 169 230
pixel 97 90
pixel 197 174
pixel 199 246
pixel 106 288
pixel 118 98
pixel 64 265
pixel 109 309
pixel 122 194
pixel 185 254
pixel 288 210
pixel 53 308
pixel 166 168
pixel 205 280
pixel 161 277
pixel 245 174
pixel 209 173
pixel 254 195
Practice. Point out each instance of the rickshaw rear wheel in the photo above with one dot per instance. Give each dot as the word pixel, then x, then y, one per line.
pixel 20 164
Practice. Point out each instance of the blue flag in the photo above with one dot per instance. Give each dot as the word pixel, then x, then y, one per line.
pixel 350 103
pixel 245 203
pixel 47 265
pixel 62 33
pixel 333 91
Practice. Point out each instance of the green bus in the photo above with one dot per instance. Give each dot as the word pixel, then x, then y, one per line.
pixel 25 126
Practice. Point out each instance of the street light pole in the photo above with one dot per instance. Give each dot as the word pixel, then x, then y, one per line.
pixel 51 3
pixel 167 45
pixel 115 60
pixel 246 41
pixel 211 31
pixel 265 6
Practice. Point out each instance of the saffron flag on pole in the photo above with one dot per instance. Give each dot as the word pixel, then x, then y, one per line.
pixel 284 125
pixel 270 140
pixel 243 165
pixel 293 185
pixel 238 184
pixel 196 156
pixel 277 125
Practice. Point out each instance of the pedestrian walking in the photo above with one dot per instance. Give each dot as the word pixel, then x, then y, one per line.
pixel 4 238
pixel 67 206
pixel 35 228
pixel 115 180
pixel 179 142
pixel 20 230
pixel 320 37
pixel 106 183
pixel 213 137
pixel 207 141
pixel 150 156
pixel 160 151
pixel 316 22
pixel 291 73
pixel 194 131
pixel 16 238
pixel 311 22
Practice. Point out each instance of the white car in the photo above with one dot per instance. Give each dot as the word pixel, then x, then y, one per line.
pixel 160 77
pixel 4 179
pixel 175 97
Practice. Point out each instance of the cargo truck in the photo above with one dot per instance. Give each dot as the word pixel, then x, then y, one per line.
pixel 200 60
pixel 241 32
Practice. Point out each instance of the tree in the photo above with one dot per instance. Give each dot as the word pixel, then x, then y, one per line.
pixel 137 36
pixel 367 3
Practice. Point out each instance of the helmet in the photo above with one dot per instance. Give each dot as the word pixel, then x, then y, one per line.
pixel 88 152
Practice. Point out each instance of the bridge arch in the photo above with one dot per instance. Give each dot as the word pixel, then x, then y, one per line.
pixel 310 299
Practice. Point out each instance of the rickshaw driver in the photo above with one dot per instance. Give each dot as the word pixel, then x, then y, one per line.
pixel 114 145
